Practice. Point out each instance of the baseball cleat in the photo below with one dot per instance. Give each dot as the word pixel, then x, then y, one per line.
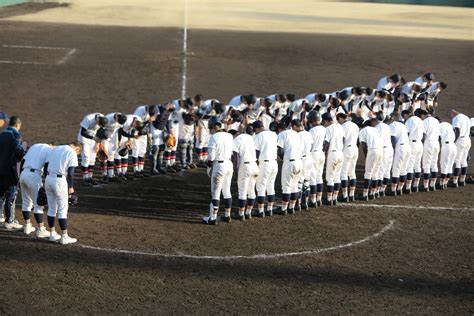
pixel 240 217
pixel 54 236
pixel 170 169
pixel 115 179
pixel 334 202
pixel 291 210
pixel 304 206
pixel 41 232
pixel 105 180
pixel 364 198
pixel 414 190
pixel 311 204
pixel 462 184
pixel 345 199
pixel 122 177
pixel 453 185
pixel 13 226
pixel 391 193
pixel 352 198
pixel 145 175
pixel 162 170
pixel 226 219
pixel 297 208
pixel 260 214
pixel 154 172
pixel 269 213
pixel 407 191
pixel 185 167
pixel 192 166
pixel 208 221
pixel 137 175
pixel 2 219
pixel 65 240
pixel 28 229
pixel 248 216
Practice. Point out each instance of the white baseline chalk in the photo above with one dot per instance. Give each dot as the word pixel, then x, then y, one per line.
pixel 21 62
pixel 386 228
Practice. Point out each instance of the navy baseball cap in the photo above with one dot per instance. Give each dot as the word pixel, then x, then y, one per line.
pixel 257 124
pixel 3 116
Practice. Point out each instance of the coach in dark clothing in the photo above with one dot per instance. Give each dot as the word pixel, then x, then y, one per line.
pixel 11 152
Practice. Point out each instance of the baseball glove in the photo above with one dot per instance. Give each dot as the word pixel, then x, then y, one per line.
pixel 73 199
pixel 42 200
pixel 102 154
pixel 170 141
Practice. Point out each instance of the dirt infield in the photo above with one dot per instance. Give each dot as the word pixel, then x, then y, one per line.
pixel 422 265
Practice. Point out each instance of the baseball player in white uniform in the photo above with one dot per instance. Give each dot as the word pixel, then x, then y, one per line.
pixel 318 133
pixel 115 121
pixel 389 83
pixel 147 114
pixel 425 81
pixel 60 188
pixel 290 151
pixel 30 182
pixel 159 127
pixel 462 128
pixel 387 159
pixel 416 131
pixel 266 150
pixel 351 154
pixel 126 135
pixel 207 109
pixel 448 152
pixel 307 160
pixel 334 145
pixel 372 145
pixel 402 153
pixel 220 169
pixel 431 150
pixel 245 164
pixel 187 121
pixel 87 137
pixel 433 93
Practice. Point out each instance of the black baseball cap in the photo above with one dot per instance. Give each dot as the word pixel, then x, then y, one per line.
pixel 257 124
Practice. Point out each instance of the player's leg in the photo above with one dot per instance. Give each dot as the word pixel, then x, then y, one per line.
pixel 330 177
pixel 62 200
pixel 251 191
pixel 458 164
pixel 243 179
pixel 434 167
pixel 296 169
pixel 417 167
pixel 53 206
pixel 273 172
pixel 261 186
pixel 285 186
pixel 345 174
pixel 464 164
pixel 337 176
pixel 352 174
pixel 217 182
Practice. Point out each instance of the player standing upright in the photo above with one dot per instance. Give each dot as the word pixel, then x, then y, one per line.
pixel 334 145
pixel 462 127
pixel 351 154
pixel 318 133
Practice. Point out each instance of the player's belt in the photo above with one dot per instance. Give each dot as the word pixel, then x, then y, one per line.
pixel 446 142
pixel 247 162
pixel 33 170
pixel 220 161
pixel 303 156
pixel 349 146
pixel 269 160
pixel 461 136
pixel 401 144
pixel 55 175
pixel 414 140
pixel 291 160
pixel 385 146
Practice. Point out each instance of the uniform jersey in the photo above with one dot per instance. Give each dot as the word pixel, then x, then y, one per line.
pixel 290 141
pixel 60 159
pixel 384 84
pixel 236 102
pixel 306 142
pixel 112 124
pixel 462 122
pixel 446 133
pixel 37 156
pixel 335 137
pixel 89 123
pixel 371 136
pixel 220 146
pixel 399 131
pixel 128 125
pixel 351 132
pixel 407 89
pixel 319 135
pixel 245 147
pixel 266 144
pixel 385 134
pixel 431 126
pixel 311 98
pixel 142 113
pixel 415 128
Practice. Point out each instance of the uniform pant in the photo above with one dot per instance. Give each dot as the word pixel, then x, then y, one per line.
pixel 247 178
pixel 316 176
pixel 290 173
pixel 305 175
pixel 58 197
pixel 8 195
pixel 401 159
pixel 373 161
pixel 463 146
pixel 88 153
pixel 386 165
pixel 267 174
pixel 348 169
pixel 333 167
pixel 447 157
pixel 140 146
pixel 414 163
pixel 430 156
pixel 221 179
pixel 30 183
pixel 185 151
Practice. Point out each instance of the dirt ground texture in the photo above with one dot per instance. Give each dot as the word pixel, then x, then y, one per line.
pixel 421 266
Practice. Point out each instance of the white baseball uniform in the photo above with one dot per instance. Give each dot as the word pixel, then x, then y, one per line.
pixel 387 157
pixel 290 142
pixel 220 153
pixel 350 151
pixel 431 145
pixel 60 159
pixel 318 134
pixel 30 178
pixel 384 84
pixel 463 143
pixel 415 130
pixel 140 144
pixel 244 146
pixel 371 136
pixel 335 156
pixel 448 148
pixel 89 153
pixel 306 158
pixel 402 151
pixel 266 145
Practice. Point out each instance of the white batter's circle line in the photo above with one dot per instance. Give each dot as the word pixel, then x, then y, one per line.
pixel 386 228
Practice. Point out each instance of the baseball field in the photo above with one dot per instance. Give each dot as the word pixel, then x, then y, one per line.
pixel 141 246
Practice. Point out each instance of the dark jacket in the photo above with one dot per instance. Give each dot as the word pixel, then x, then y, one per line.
pixel 11 152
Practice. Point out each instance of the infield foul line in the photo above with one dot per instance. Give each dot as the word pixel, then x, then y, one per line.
pixel 414 207
pixel 386 228
pixel 21 62
pixel 185 49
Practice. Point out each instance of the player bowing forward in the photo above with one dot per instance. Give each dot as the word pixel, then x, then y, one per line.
pixel 220 170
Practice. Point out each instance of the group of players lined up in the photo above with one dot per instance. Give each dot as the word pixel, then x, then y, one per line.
pixel 310 132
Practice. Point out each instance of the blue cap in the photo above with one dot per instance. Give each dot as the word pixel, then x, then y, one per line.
pixel 3 116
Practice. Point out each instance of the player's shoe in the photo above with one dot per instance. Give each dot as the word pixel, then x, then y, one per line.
pixel 54 236
pixel 334 202
pixel 65 240
pixel 208 221
pixel 260 214
pixel 462 184
pixel 192 166
pixel 154 172
pixel 13 226
pixel 137 175
pixel 291 211
pixel 226 219
pixel 304 206
pixel 123 177
pixel 391 193
pixel 177 168
pixel 115 179
pixel 363 198
pixel 345 199
pixel 2 219
pixel 185 167
pixel 248 216
pixel 162 170
pixel 105 180
pixel 28 229
pixel 170 169
pixel 298 208
pixel 311 204
pixel 41 232
pixel 269 213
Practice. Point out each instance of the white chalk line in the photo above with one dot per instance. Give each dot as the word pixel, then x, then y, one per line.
pixel 66 57
pixel 36 47
pixel 22 62
pixel 386 228
pixel 185 49
pixel 413 207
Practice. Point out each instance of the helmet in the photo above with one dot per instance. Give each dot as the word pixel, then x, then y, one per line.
pixel 249 130
pixel 236 117
pixel 273 126
pixel 213 122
